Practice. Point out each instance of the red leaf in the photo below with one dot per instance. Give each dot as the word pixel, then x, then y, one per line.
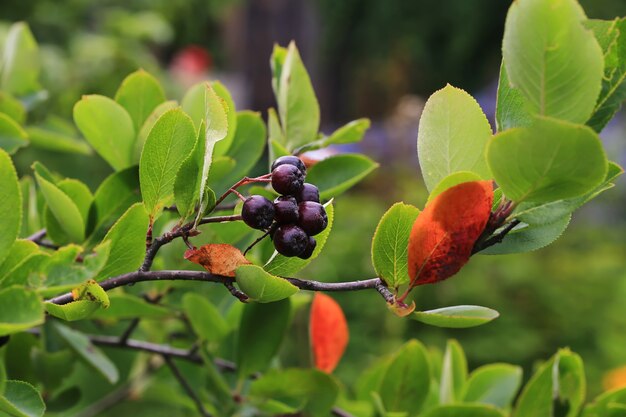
pixel 329 332
pixel 444 233
pixel 217 258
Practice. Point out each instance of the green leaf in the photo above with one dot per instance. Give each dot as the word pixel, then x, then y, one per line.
pixel 541 163
pixel 495 384
pixel 149 124
pixel 453 373
pixel 22 400
pixel 20 61
pixel 12 136
pixel 261 286
pixel 19 253
pixel 45 138
pixel 89 353
pixel 309 390
pixel 277 60
pixel 80 194
pixel 456 317
pixel 512 109
pixel 248 145
pixel 464 410
pixel 284 266
pixel 107 126
pixel 452 136
pixel 276 136
pixel 65 211
pixel 12 107
pixel 20 309
pixel 113 197
pixel 232 121
pixel 390 243
pixel 559 380
pixel 170 141
pixel 349 133
pixel 452 180
pixel 297 105
pixel 128 242
pixel 611 36
pixel 406 382
pixel 261 332
pixel 527 238
pixel 88 297
pixel 337 173
pixel 126 306
pixel 204 318
pixel 188 178
pixel 10 205
pixel 140 93
pixel 552 59
pixel 602 405
pixel 544 213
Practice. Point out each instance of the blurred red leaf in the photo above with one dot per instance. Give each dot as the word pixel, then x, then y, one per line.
pixel 329 332
pixel 217 258
pixel 444 233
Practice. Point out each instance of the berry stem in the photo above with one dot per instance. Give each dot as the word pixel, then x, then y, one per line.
pixel 241 182
pixel 266 234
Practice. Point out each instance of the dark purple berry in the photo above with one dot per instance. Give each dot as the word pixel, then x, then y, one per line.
pixel 286 209
pixel 290 160
pixel 287 179
pixel 290 240
pixel 313 217
pixel 4 340
pixel 258 212
pixel 310 247
pixel 309 192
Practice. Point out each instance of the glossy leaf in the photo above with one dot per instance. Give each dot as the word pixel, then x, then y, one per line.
pixel 452 136
pixel 338 173
pixel 21 399
pixel 275 136
pixel 217 258
pixel 453 373
pixel 204 318
pixel 450 181
pixel 10 205
pixel 65 211
pixel 140 93
pixel 456 316
pixel 297 105
pixel 45 138
pixel 188 178
pixel 12 136
pixel 527 238
pixel 561 379
pixel 540 163
pixel 20 61
pixel 496 384
pixel 224 145
pixel 512 108
pixel 108 127
pixel 20 309
pixel 552 59
pixel 170 141
pixel 444 233
pixel 303 389
pixel 149 124
pixel 390 243
pixel 89 353
pixel 261 332
pixel 285 266
pixel 349 133
pixel 406 382
pixel 81 196
pixel 261 286
pixel 464 410
pixel 248 145
pixel 328 332
pixel 19 253
pixel 128 242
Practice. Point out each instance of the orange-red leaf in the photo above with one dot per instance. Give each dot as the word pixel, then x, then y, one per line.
pixel 329 332
pixel 444 234
pixel 217 258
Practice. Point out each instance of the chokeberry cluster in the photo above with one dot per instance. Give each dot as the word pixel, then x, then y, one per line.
pixel 293 218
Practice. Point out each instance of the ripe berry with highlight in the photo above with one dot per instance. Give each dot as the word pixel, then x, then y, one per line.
pixel 287 179
pixel 313 218
pixel 286 209
pixel 310 247
pixel 258 212
pixel 289 160
pixel 309 192
pixel 290 240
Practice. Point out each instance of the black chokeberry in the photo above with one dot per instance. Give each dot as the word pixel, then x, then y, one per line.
pixel 290 160
pixel 313 217
pixel 286 209
pixel 4 340
pixel 290 240
pixel 310 247
pixel 287 179
pixel 258 212
pixel 309 192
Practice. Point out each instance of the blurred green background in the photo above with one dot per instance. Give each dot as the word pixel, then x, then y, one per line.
pixel 367 58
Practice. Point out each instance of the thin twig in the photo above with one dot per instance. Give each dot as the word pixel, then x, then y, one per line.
pixel 37 236
pixel 241 296
pixel 495 239
pixel 338 412
pixel 186 386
